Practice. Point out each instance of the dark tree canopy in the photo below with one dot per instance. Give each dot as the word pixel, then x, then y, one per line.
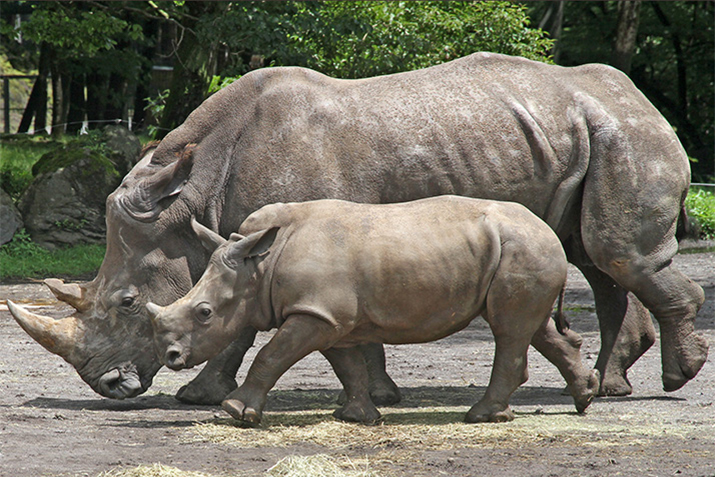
pixel 102 55
pixel 672 59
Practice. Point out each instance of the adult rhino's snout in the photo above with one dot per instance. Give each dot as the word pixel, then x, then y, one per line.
pixel 120 383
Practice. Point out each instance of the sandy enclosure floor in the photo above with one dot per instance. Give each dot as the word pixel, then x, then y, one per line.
pixel 52 424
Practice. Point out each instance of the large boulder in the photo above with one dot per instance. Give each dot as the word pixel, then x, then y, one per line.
pixel 10 218
pixel 65 204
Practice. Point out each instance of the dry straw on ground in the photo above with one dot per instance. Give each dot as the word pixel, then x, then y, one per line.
pixel 429 429
pixel 155 470
pixel 292 466
pixel 320 465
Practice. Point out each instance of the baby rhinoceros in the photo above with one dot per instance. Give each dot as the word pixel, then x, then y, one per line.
pixel 330 275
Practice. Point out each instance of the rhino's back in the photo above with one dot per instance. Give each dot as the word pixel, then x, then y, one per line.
pixel 398 267
pixel 486 125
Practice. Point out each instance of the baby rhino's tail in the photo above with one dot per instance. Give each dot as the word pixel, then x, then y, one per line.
pixel 559 317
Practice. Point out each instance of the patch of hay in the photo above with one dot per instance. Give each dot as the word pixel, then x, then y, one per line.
pixel 319 465
pixel 433 429
pixel 154 470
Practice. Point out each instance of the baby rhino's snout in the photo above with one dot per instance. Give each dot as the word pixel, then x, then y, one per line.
pixel 174 357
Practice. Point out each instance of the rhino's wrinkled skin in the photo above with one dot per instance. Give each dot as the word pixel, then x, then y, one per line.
pixel 331 275
pixel 581 147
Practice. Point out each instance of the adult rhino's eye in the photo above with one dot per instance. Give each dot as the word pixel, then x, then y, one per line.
pixel 203 313
pixel 127 301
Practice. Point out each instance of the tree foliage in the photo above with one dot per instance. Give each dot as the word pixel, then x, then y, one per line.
pixel 77 32
pixel 673 61
pixel 358 39
pixel 366 38
pixel 108 47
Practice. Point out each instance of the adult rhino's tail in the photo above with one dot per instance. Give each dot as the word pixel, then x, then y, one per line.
pixel 559 316
pixel 686 229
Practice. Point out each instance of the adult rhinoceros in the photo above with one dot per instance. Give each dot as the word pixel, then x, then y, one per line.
pixel 581 147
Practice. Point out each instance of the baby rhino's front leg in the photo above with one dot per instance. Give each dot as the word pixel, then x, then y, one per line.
pixel 296 338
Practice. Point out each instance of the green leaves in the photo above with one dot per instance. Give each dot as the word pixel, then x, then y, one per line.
pixel 701 207
pixel 358 39
pixel 84 31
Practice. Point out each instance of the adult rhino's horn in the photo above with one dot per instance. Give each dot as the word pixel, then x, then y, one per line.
pixel 57 336
pixel 144 201
pixel 70 293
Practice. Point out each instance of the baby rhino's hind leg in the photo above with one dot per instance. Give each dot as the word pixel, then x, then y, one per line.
pixel 519 300
pixel 564 351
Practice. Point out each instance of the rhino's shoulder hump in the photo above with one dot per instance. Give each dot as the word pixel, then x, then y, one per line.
pixel 272 215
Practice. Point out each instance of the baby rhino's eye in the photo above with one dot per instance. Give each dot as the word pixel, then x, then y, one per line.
pixel 203 313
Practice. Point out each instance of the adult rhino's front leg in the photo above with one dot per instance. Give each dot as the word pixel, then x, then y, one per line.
pixel 635 244
pixel 627 330
pixel 350 367
pixel 218 378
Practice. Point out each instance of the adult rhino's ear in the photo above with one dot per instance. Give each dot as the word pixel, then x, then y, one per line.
pixel 146 200
pixel 254 245
pixel 209 239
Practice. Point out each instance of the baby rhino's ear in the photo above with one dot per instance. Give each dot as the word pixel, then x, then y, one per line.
pixel 254 245
pixel 209 239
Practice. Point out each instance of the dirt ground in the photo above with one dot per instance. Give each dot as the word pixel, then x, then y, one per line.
pixel 52 424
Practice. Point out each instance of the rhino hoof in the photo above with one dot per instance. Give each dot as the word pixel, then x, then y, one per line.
pixel 474 416
pixel 239 411
pixel 205 391
pixel 365 415
pixel 386 396
pixel 615 385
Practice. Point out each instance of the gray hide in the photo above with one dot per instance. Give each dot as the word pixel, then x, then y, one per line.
pixel 331 275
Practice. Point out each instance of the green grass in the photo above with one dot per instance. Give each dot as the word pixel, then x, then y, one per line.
pixel 700 205
pixel 21 258
pixel 17 156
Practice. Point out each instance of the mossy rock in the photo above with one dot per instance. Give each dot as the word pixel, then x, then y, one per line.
pixel 70 154
pixel 65 204
pixel 114 150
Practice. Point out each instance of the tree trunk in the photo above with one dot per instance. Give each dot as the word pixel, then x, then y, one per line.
pixel 194 67
pixel 60 97
pixel 626 31
pixel 553 23
pixel 76 114
pixel 37 102
pixel 97 86
pixel 188 88
pixel 140 95
pixel 116 99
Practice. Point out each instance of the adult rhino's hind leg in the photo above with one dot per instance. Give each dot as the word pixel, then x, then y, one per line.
pixel 383 390
pixel 674 300
pixel 218 378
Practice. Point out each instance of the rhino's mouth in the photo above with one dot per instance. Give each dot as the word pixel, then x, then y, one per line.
pixel 121 382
